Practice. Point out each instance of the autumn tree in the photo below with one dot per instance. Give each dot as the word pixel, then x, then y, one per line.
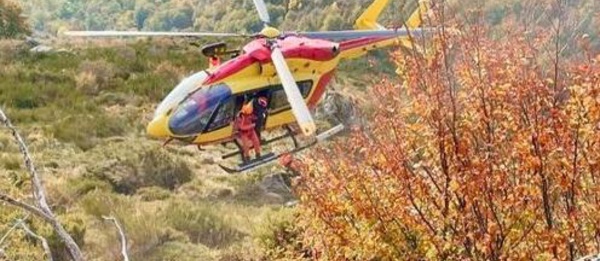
pixel 12 23
pixel 481 150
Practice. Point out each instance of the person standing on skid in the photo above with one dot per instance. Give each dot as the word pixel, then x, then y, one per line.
pixel 245 124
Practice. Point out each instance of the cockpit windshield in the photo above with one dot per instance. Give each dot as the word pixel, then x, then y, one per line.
pixel 179 92
pixel 194 114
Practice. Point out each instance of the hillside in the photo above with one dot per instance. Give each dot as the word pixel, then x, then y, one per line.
pixel 203 15
pixel 83 109
pixel 83 112
pixel 483 149
pixel 50 16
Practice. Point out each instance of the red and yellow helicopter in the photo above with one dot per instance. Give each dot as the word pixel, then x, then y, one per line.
pixel 290 69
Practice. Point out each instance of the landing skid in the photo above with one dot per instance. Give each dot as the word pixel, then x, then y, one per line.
pixel 252 164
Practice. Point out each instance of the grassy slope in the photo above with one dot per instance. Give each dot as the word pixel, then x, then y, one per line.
pixel 83 113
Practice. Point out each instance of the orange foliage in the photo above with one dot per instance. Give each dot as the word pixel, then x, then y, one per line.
pixel 479 152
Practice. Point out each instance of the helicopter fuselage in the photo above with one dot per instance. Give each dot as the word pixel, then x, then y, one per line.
pixel 202 109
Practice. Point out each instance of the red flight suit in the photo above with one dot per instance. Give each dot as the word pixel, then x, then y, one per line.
pixel 245 124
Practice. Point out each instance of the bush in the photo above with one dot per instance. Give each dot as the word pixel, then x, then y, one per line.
pixel 86 130
pixel 79 187
pixel 12 23
pixel 95 76
pixel 181 252
pixel 145 230
pixel 73 224
pixel 153 193
pixel 11 161
pixel 201 224
pixel 162 170
pixel 149 167
pixel 479 152
pixel 281 238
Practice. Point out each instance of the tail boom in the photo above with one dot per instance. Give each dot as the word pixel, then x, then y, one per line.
pixel 355 48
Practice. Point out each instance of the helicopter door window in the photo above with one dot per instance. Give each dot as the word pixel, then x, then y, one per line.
pixel 279 98
pixel 223 116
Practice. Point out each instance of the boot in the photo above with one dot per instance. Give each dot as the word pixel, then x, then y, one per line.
pixel 245 159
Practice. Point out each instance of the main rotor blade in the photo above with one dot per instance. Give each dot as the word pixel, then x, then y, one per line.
pixel 351 34
pixel 262 11
pixel 299 108
pixel 149 34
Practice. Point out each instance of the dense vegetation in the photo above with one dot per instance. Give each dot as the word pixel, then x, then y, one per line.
pixel 12 24
pixel 83 113
pixel 202 15
pixel 483 149
pixel 239 16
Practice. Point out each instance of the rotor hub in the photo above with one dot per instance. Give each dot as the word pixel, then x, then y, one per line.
pixel 270 32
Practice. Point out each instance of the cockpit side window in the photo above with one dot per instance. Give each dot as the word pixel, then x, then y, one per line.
pixel 195 113
pixel 180 92
pixel 223 116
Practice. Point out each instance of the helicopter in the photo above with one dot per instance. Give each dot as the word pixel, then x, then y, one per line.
pixel 290 69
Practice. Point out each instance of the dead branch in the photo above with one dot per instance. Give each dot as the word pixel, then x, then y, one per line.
pixel 121 235
pixel 38 237
pixel 590 258
pixel 25 206
pixel 39 193
pixel 7 234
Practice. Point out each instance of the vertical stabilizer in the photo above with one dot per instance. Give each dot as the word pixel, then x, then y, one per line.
pixel 368 20
pixel 416 18
pixel 354 48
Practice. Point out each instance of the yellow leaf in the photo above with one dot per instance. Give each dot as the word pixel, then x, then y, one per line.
pixel 454 185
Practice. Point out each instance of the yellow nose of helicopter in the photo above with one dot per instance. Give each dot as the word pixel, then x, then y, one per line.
pixel 158 127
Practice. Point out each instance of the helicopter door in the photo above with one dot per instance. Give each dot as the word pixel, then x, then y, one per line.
pixel 276 99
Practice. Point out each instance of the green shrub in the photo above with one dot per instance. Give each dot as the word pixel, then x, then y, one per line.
pixel 163 170
pixel 201 224
pixel 6 144
pixel 74 225
pixel 11 161
pixel 180 251
pixel 99 203
pixel 279 236
pixel 79 187
pixel 95 76
pixel 85 130
pixel 153 193
pixel 112 98
pixel 154 87
pixel 145 230
pixel 12 23
pixel 147 168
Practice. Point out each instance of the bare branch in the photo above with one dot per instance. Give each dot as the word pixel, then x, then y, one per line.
pixel 39 194
pixel 121 235
pixel 25 206
pixel 590 258
pixel 19 221
pixel 38 237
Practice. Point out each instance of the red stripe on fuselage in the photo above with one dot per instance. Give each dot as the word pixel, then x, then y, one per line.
pixel 320 89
